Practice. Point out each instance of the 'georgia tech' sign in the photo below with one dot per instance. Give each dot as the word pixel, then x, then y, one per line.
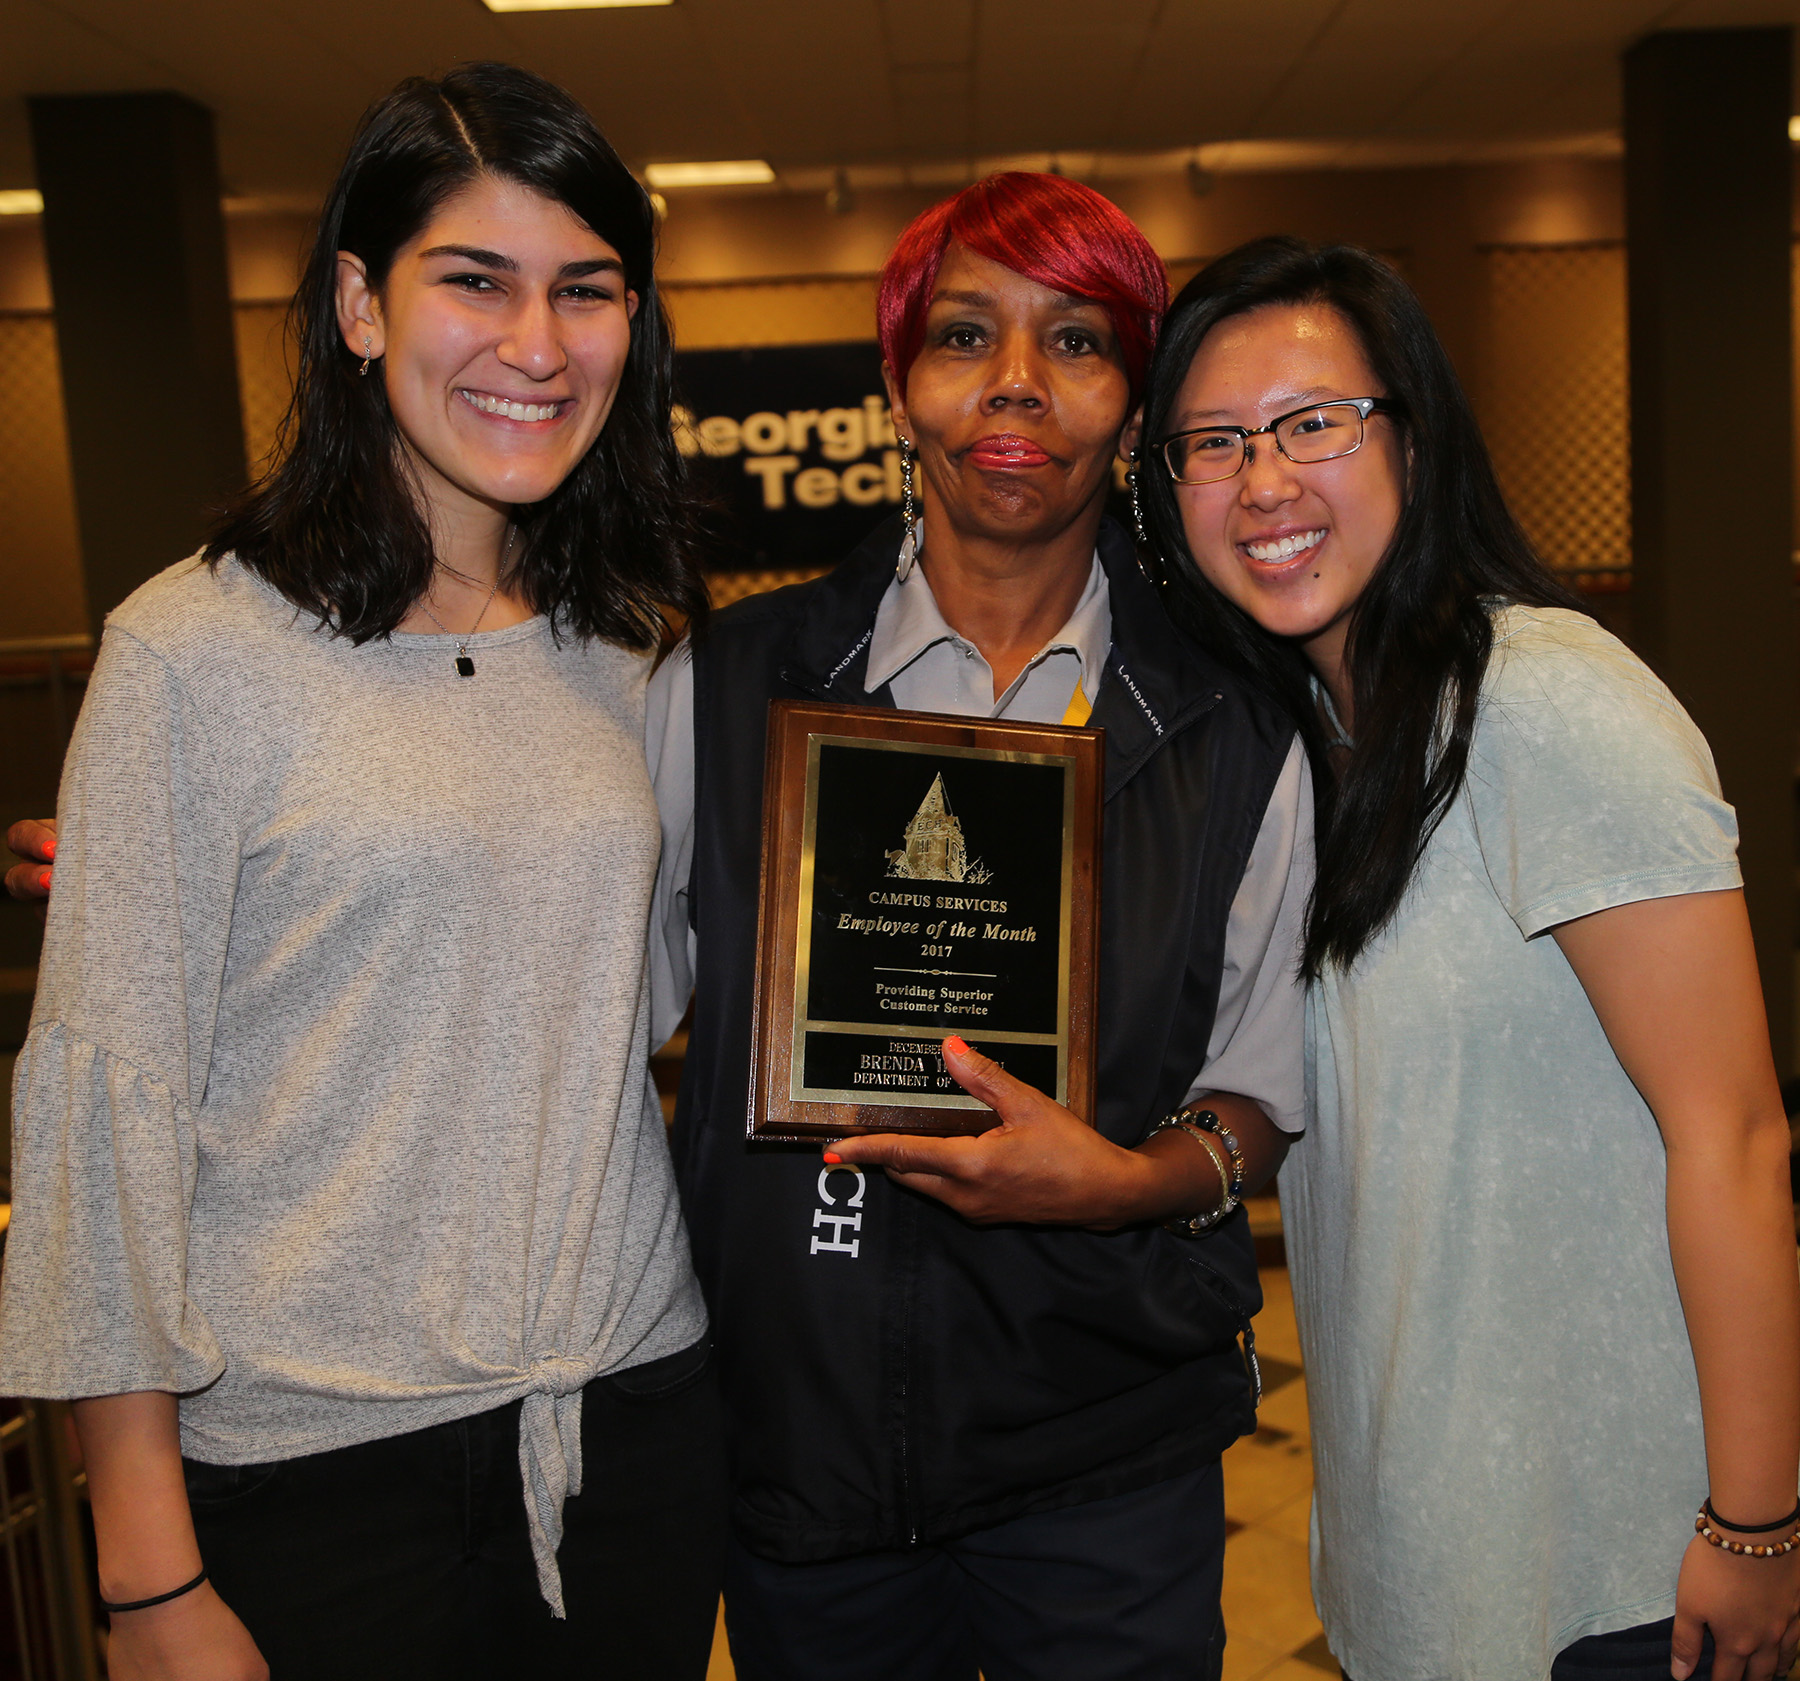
pixel 797 443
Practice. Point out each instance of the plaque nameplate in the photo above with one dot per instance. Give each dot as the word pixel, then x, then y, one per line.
pixel 922 876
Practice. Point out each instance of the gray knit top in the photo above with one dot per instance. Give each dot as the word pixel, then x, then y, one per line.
pixel 334 1117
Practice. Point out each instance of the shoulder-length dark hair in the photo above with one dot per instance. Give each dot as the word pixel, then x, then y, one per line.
pixel 334 524
pixel 1420 633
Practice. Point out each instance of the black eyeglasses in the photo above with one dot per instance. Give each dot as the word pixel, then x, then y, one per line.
pixel 1318 432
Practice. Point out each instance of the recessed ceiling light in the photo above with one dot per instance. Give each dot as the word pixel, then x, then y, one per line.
pixel 21 201
pixel 734 172
pixel 566 5
pixel 1794 128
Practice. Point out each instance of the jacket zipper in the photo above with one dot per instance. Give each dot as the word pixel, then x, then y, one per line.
pixel 1227 1298
pixel 907 1513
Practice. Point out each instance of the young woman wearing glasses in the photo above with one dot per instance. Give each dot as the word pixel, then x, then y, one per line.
pixel 1539 1226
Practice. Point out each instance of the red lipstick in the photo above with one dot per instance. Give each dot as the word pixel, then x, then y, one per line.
pixel 1006 451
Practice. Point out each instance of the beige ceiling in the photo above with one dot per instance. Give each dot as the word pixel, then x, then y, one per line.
pixel 818 84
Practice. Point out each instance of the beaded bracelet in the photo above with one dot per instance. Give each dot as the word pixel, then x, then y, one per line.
pixel 1744 1549
pixel 1210 1122
pixel 1230 1173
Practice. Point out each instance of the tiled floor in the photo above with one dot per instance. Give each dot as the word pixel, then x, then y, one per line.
pixel 1272 1632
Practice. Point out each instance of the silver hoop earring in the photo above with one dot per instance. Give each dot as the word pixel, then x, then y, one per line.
pixel 909 515
pixel 367 358
pixel 1137 500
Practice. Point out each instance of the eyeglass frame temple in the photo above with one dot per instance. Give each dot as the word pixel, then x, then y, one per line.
pixel 1364 406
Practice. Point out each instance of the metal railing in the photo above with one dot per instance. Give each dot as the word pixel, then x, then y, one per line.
pixel 53 1632
pixel 29 661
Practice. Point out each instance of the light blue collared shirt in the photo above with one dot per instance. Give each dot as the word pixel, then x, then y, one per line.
pixel 935 669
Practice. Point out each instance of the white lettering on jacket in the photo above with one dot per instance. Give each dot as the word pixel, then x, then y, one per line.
pixel 837 1244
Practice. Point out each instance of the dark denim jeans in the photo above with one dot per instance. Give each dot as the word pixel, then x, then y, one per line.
pixel 1628 1654
pixel 1125 1589
pixel 409 1556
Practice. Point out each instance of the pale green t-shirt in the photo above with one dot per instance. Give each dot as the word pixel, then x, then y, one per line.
pixel 1506 1424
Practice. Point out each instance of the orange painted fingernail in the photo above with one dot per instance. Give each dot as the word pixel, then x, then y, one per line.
pixel 50 849
pixel 833 1160
pixel 44 880
pixel 955 1043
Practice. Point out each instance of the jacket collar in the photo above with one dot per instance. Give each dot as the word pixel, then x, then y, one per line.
pixel 829 649
pixel 1156 681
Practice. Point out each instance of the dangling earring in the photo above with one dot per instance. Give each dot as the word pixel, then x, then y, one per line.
pixel 367 358
pixel 909 515
pixel 1137 520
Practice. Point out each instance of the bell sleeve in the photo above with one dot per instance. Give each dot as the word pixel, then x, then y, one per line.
pixel 94 1298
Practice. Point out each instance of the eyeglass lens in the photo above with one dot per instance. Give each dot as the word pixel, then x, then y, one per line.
pixel 1321 434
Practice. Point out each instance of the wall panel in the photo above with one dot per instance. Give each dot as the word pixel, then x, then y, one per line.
pixel 265 378
pixel 766 312
pixel 41 590
pixel 1554 400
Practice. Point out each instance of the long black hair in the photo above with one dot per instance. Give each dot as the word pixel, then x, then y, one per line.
pixel 334 524
pixel 1421 631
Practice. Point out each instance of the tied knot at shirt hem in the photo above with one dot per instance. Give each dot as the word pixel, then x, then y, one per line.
pixel 550 1459
pixel 559 1375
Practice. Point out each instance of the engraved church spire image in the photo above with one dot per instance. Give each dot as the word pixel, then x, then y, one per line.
pixel 935 850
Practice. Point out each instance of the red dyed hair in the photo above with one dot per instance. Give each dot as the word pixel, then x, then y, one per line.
pixel 1049 229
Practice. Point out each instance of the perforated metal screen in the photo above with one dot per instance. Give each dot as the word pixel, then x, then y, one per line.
pixel 41 562
pixel 1554 400
pixel 264 380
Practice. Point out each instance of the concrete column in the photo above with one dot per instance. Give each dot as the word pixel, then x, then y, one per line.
pixel 1708 182
pixel 136 246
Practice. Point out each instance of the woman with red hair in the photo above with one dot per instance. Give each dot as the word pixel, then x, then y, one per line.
pixel 976 1403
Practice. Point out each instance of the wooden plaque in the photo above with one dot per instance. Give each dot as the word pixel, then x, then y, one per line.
pixel 922 875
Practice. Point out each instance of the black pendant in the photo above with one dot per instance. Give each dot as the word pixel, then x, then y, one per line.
pixel 465 667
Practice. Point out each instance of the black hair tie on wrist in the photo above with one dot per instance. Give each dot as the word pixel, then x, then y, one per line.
pixel 1788 1522
pixel 155 1599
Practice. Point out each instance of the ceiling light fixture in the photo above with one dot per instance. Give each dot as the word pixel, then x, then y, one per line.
pixel 21 201
pixel 1794 129
pixel 734 172
pixel 566 5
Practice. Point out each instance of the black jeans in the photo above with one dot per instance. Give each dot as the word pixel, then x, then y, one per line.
pixel 1628 1654
pixel 1125 1589
pixel 409 1556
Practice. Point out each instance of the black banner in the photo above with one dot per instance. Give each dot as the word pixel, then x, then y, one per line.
pixel 797 445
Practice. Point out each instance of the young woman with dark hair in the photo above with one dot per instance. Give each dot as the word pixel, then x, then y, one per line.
pixel 342 1205
pixel 976 1404
pixel 1539 1227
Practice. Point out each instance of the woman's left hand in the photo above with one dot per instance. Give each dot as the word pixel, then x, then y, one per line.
pixel 1752 1606
pixel 1040 1164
